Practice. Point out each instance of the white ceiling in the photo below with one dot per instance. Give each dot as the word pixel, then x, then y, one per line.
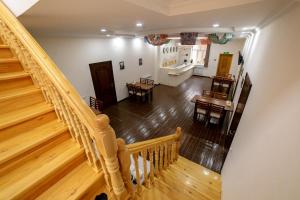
pixel 86 17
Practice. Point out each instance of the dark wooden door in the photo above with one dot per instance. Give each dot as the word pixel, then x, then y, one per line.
pixel 247 85
pixel 104 84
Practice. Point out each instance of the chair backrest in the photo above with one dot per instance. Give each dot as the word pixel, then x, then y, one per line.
pixel 207 93
pixel 217 109
pixel 219 95
pixel 202 105
pixel 138 89
pixel 130 86
pixel 150 82
pixel 96 103
pixel 143 80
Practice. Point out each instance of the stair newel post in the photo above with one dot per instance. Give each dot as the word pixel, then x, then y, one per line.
pixel 124 161
pixel 106 142
pixel 178 138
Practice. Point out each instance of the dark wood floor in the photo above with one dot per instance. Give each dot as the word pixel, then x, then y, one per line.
pixel 171 107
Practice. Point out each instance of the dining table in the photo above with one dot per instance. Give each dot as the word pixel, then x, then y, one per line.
pixel 228 105
pixel 143 86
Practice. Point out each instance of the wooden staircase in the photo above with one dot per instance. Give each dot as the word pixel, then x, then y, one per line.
pixel 38 157
pixel 52 146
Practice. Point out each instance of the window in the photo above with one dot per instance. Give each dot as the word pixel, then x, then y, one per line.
pixel 199 53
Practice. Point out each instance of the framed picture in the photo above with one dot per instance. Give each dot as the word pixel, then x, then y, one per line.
pixel 122 65
pixel 140 61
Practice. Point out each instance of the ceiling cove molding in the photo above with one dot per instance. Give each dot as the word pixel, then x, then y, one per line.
pixel 180 7
pixel 283 10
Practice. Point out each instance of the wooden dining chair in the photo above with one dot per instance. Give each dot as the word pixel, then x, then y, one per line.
pixel 96 105
pixel 216 114
pixel 143 80
pixel 219 95
pixel 150 92
pixel 217 82
pixel 139 92
pixel 201 109
pixel 207 93
pixel 226 85
pixel 131 89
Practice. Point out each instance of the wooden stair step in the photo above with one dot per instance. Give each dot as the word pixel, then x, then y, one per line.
pixel 13 75
pixel 10 65
pixel 24 142
pixel 21 115
pixel 5 51
pixel 188 185
pixel 18 92
pixel 8 60
pixel 34 176
pixel 196 180
pixel 80 183
pixel 19 98
pixel 199 171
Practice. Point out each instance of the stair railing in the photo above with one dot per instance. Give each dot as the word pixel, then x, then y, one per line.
pixel 92 133
pixel 155 154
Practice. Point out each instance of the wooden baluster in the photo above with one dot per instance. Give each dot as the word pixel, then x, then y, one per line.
pixel 144 155
pixel 150 152
pixel 124 161
pixel 170 153
pixel 173 151
pixel 161 158
pixel 107 178
pixel 91 147
pixel 106 142
pixel 178 138
pixel 156 160
pixel 137 173
pixel 166 164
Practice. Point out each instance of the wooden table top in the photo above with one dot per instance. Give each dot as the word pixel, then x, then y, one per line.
pixel 144 86
pixel 228 105
pixel 223 78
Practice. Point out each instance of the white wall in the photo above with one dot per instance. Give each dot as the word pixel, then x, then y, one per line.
pixel 233 47
pixel 263 162
pixel 73 56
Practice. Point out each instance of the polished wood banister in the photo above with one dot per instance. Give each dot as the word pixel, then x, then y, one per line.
pixel 152 142
pixel 156 155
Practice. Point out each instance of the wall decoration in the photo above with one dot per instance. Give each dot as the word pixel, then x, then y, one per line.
pixel 140 61
pixel 188 38
pixel 220 39
pixel 157 39
pixel 122 65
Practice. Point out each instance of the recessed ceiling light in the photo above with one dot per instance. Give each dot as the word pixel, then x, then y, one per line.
pixel 248 28
pixel 108 35
pixel 139 24
pixel 216 25
pixel 103 30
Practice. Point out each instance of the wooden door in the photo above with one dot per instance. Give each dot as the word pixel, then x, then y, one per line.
pixel 239 110
pixel 104 84
pixel 224 65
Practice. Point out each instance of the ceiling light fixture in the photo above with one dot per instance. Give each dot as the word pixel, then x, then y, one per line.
pixel 103 30
pixel 139 24
pixel 216 25
pixel 108 35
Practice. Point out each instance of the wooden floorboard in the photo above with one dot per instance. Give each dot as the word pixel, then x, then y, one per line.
pixel 171 107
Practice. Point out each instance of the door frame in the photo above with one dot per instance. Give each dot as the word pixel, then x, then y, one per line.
pixel 97 86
